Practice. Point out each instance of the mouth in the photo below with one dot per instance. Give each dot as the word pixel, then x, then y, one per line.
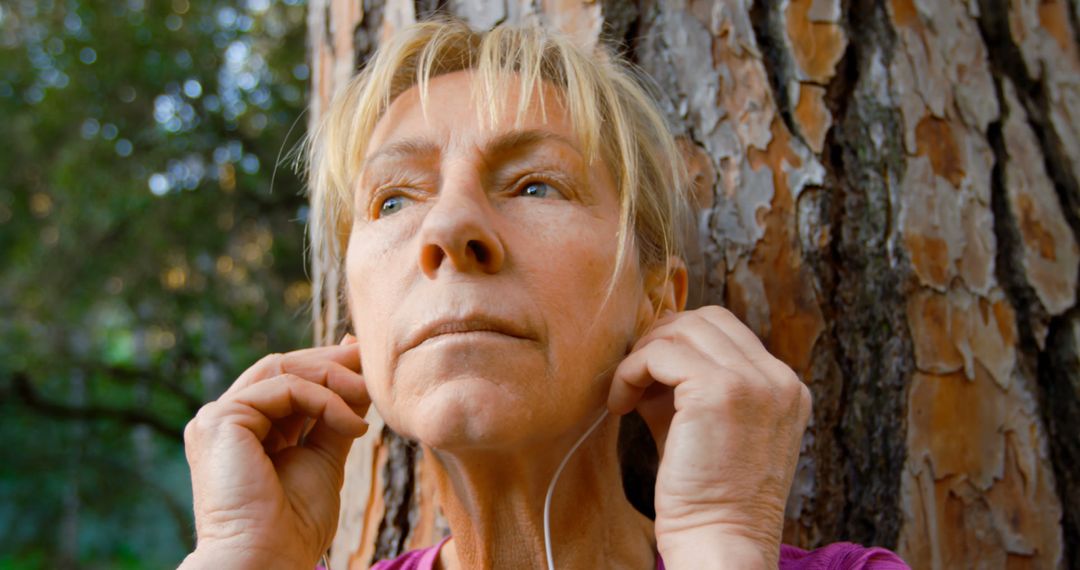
pixel 473 324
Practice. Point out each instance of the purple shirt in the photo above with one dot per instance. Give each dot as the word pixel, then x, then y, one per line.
pixel 836 556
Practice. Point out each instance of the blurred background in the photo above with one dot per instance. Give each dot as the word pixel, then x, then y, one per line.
pixel 151 239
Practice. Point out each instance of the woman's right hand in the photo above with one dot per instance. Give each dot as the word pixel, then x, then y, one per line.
pixel 263 499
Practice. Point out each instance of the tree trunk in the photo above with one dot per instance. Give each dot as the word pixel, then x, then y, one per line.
pixel 889 196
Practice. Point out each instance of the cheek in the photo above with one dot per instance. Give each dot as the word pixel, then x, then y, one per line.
pixel 374 264
pixel 573 262
pixel 570 269
pixel 360 288
pixel 370 294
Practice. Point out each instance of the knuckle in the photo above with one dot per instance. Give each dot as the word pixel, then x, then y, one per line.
pixel 191 431
pixel 289 379
pixel 806 400
pixel 271 362
pixel 791 388
pixel 705 399
pixel 790 378
pixel 724 315
pixel 721 395
pixel 681 335
pixel 294 383
pixel 697 315
pixel 203 418
pixel 664 345
pixel 715 310
pixel 783 374
pixel 206 418
pixel 700 320
pixel 804 394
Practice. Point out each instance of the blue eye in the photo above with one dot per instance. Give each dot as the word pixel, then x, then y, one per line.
pixel 537 190
pixel 393 205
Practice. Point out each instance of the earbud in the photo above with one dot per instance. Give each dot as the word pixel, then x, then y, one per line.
pixel 551 488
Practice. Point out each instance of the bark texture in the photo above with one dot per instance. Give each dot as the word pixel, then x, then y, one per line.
pixel 889 195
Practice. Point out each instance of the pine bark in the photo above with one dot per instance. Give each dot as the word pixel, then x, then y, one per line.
pixel 889 195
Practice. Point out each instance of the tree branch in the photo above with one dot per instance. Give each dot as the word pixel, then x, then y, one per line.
pixel 132 376
pixel 24 389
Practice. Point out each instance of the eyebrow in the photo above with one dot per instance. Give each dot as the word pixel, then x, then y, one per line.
pixel 401 149
pixel 519 141
pixel 513 142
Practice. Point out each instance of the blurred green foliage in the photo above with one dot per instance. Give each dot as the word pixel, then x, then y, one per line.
pixel 152 248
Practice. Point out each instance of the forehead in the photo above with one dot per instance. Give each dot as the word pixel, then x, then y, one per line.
pixel 454 117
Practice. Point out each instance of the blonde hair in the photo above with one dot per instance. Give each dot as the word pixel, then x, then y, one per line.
pixel 611 113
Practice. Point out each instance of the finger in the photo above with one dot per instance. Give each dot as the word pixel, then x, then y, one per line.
pixel 331 449
pixel 285 395
pixel 662 360
pixel 291 428
pixel 347 355
pixel 663 328
pixel 334 376
pixel 338 378
pixel 274 441
pixel 657 408
pixel 333 444
pixel 666 318
pixel 708 338
pixel 744 338
pixel 344 355
pixel 309 472
pixel 783 381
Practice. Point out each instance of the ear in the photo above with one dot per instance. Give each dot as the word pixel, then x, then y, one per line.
pixel 665 291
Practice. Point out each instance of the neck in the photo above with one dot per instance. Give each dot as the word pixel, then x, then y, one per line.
pixel 494 502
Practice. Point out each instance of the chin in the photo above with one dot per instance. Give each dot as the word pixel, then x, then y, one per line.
pixel 468 413
pixel 469 399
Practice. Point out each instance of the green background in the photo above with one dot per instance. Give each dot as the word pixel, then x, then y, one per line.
pixel 151 240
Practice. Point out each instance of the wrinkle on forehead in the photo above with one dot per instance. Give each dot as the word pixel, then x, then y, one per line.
pixel 544 111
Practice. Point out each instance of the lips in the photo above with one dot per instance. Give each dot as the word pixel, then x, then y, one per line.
pixel 476 323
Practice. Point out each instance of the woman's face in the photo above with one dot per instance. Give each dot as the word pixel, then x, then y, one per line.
pixel 477 268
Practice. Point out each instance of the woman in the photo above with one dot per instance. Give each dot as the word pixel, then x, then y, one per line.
pixel 506 208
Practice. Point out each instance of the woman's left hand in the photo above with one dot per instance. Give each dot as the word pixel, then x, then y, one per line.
pixel 728 419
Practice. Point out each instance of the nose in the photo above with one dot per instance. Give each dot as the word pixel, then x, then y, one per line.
pixel 458 232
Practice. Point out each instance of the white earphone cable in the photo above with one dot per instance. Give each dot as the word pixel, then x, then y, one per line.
pixel 547 500
pixel 551 489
